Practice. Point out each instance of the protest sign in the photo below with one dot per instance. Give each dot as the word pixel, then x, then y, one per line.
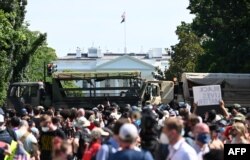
pixel 207 95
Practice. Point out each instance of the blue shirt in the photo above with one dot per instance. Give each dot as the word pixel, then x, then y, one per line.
pixel 131 154
pixel 107 149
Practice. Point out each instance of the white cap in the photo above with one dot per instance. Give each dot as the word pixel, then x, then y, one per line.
pixel 128 131
pixel 1 118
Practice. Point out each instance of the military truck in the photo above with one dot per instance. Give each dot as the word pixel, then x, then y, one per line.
pixel 235 88
pixel 88 89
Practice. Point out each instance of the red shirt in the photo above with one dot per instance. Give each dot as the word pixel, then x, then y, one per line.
pixel 92 151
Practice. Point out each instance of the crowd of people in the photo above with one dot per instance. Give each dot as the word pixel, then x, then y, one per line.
pixel 110 132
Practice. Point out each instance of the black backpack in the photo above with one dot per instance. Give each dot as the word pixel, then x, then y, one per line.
pixel 84 138
pixel 12 134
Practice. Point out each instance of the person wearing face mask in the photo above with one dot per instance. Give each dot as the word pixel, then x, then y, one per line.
pixel 202 139
pixel 48 132
pixel 179 149
pixel 6 136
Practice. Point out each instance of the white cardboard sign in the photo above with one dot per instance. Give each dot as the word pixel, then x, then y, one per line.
pixel 207 95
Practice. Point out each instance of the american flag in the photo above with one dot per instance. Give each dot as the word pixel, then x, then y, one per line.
pixel 123 17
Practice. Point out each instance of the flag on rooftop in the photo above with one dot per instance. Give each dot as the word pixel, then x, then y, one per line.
pixel 123 17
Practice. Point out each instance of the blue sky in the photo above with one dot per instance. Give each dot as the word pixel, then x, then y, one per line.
pixel 85 23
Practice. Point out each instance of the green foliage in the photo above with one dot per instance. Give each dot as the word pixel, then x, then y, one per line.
pixel 184 54
pixel 18 45
pixel 43 55
pixel 226 24
pixel 6 34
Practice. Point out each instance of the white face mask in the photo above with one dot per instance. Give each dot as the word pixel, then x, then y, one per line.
pixel 45 129
pixel 164 139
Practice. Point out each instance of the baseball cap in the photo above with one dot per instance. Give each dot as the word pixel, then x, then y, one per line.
pixel 24 111
pixel 128 132
pixel 239 117
pixel 222 122
pixel 1 118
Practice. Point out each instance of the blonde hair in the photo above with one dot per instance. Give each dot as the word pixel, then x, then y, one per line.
pixel 240 128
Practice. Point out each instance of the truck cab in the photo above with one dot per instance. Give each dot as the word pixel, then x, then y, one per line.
pixel 21 93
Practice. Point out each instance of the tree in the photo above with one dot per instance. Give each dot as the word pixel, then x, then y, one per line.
pixel 22 45
pixel 6 33
pixel 184 54
pixel 226 25
pixel 17 43
pixel 35 69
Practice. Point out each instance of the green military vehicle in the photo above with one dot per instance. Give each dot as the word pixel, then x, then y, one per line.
pixel 88 89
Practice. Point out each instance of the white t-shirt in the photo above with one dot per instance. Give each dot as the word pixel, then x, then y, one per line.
pixel 29 140
pixel 182 151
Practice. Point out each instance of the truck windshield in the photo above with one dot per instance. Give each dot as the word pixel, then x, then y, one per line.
pixel 23 91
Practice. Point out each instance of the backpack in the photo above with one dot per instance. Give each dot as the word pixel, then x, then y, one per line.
pixel 12 134
pixel 84 138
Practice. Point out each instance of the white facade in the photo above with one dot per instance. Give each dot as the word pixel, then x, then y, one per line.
pixel 95 60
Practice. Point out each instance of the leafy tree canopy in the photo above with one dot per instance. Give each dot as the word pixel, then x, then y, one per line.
pixel 18 45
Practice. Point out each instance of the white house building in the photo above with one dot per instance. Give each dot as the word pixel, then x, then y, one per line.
pixel 95 60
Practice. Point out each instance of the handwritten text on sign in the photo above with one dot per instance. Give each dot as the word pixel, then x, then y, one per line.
pixel 207 95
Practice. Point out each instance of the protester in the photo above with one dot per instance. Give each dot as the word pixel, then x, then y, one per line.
pixel 62 149
pixel 82 136
pixel 202 139
pixel 215 143
pixel 37 116
pixel 6 137
pixel 128 135
pixel 48 132
pixel 179 149
pixel 149 131
pixel 95 144
pixel 112 145
pixel 28 140
pixel 238 132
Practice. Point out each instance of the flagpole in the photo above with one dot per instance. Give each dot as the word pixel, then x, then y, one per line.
pixel 125 40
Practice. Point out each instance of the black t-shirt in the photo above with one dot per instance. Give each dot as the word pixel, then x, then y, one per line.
pixel 83 136
pixel 37 121
pixel 46 143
